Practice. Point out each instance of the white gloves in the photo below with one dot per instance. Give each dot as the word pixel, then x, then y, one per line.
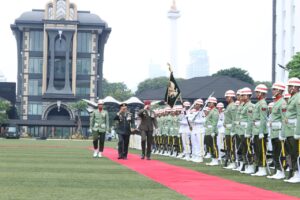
pixel 213 134
pixel 281 138
pixel 297 137
pixel 90 130
pixel 261 136
pixel 247 135
pixel 232 133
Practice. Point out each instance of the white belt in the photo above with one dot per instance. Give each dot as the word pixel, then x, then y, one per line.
pixel 276 125
pixel 292 121
pixel 244 124
pixel 237 122
pixel 257 123
pixel 209 126
pixel 228 125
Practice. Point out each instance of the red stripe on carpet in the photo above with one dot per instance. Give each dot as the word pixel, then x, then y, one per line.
pixel 193 184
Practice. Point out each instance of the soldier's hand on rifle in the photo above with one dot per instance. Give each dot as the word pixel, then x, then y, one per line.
pixel 261 136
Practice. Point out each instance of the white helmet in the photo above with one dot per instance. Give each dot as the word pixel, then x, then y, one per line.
pixel 287 96
pixel 279 86
pixel 261 88
pixel 246 91
pixel 100 101
pixel 186 104
pixel 294 81
pixel 212 100
pixel 220 105
pixel 229 93
pixel 238 92
pixel 199 101
pixel 270 105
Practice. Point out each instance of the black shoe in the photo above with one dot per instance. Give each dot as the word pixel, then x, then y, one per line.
pixel 148 158
pixel 120 157
pixel 125 157
pixel 142 156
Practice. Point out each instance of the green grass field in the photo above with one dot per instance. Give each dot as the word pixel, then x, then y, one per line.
pixel 41 170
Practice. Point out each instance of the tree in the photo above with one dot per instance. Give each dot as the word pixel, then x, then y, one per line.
pixel 154 83
pixel 237 73
pixel 78 107
pixel 117 90
pixel 267 83
pixel 4 108
pixel 294 66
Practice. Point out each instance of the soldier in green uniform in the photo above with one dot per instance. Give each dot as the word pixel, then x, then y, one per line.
pixel 292 129
pixel 277 130
pixel 246 125
pixel 211 126
pixel 229 113
pixel 237 132
pixel 260 133
pixel 99 125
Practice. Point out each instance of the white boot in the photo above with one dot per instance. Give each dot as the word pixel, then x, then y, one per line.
pixel 99 155
pixel 262 171
pixel 208 155
pixel 250 169
pixel 214 162
pixel 295 178
pixel 230 166
pixel 279 175
pixel 95 153
pixel 238 167
pixel 187 157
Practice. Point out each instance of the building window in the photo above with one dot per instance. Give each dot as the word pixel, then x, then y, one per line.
pixel 82 91
pixel 83 66
pixel 35 87
pixel 35 108
pixel 36 39
pixel 35 65
pixel 84 113
pixel 84 42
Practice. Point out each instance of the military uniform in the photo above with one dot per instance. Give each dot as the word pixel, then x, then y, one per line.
pixel 260 115
pixel 212 131
pixel 229 118
pixel 99 124
pixel 246 125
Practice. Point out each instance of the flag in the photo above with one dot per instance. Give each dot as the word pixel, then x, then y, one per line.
pixel 172 92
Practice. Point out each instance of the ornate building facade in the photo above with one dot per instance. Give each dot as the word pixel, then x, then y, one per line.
pixel 60 60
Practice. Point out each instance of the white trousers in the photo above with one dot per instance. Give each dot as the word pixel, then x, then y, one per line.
pixel 197 139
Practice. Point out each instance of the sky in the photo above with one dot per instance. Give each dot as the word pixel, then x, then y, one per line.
pixel 235 33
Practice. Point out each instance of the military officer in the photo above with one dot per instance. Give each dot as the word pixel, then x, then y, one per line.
pixel 197 135
pixel 292 129
pixel 211 124
pixel 99 125
pixel 277 130
pixel 221 130
pixel 148 123
pixel 260 116
pixel 184 130
pixel 246 125
pixel 229 118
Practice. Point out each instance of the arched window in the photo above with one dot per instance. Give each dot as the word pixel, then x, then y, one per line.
pixel 50 11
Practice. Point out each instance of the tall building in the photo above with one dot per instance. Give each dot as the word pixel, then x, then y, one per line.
pixel 199 65
pixel 60 61
pixel 286 35
pixel 173 15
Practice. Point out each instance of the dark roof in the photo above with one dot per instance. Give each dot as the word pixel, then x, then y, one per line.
pixel 200 87
pixel 37 16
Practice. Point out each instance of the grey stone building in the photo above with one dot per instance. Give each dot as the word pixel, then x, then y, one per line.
pixel 60 61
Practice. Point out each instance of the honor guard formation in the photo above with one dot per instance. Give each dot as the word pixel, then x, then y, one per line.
pixel 258 139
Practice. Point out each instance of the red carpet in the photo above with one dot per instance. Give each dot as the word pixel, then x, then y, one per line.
pixel 192 184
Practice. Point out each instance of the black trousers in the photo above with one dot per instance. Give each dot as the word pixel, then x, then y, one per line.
pixel 147 137
pixel 100 139
pixel 123 145
pixel 212 144
pixel 260 151
pixel 292 149
pixel 278 154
